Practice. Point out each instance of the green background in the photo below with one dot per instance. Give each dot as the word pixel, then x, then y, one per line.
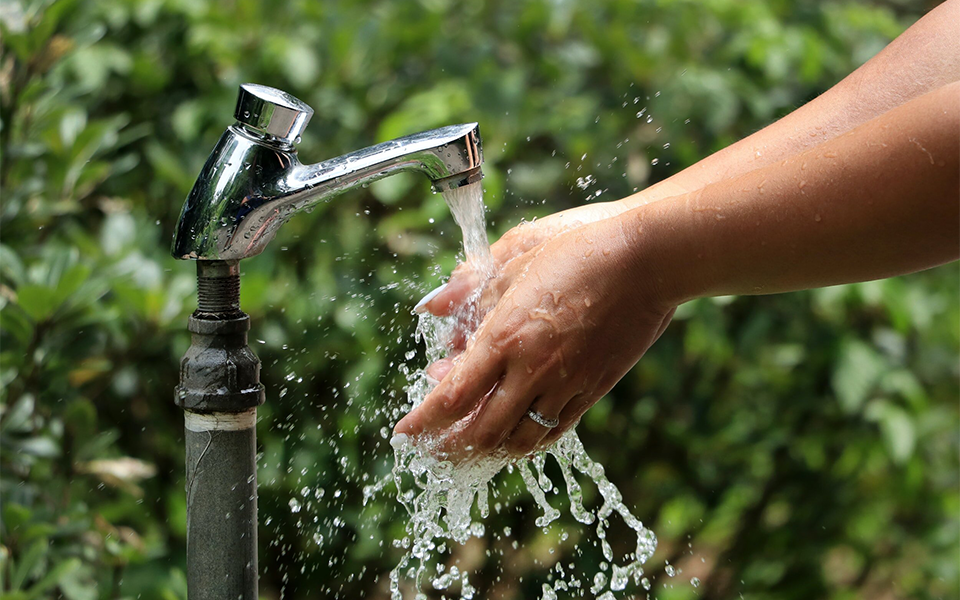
pixel 797 446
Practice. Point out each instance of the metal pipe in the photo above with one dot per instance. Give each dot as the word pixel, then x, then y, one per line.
pixel 219 391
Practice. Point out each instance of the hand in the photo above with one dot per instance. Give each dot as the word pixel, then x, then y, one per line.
pixel 579 315
pixel 511 253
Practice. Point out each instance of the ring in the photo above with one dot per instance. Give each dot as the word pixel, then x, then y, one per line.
pixel 539 419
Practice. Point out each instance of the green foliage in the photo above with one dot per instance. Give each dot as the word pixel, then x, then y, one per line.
pixel 802 446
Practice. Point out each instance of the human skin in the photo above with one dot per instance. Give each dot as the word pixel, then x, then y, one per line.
pixel 925 57
pixel 880 200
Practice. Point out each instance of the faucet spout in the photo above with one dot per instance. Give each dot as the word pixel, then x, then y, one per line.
pixel 253 182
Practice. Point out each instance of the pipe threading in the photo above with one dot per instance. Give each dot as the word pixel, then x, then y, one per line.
pixel 218 295
pixel 218 290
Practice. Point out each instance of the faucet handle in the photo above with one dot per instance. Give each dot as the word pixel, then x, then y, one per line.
pixel 272 113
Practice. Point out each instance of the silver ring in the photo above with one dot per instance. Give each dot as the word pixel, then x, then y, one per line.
pixel 541 420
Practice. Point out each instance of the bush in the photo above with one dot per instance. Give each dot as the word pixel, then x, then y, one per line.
pixel 796 446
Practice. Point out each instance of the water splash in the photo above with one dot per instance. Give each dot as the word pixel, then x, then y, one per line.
pixel 440 496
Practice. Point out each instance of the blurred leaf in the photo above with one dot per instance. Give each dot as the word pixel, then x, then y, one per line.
pixel 37 301
pixel 856 374
pixel 38 446
pixel 78 584
pixel 439 106
pixel 10 265
pixel 54 577
pixel 29 564
pixel 897 427
pixel 17 417
pixel 15 516
pixel 300 63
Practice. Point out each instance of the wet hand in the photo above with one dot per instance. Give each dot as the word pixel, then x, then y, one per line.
pixel 511 253
pixel 568 326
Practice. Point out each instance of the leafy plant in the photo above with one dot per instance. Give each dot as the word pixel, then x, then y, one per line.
pixel 781 447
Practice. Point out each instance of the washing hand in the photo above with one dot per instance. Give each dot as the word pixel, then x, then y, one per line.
pixel 845 220
pixel 511 255
pixel 569 324
pixel 578 309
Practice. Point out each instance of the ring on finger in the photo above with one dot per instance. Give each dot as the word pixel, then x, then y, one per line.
pixel 541 420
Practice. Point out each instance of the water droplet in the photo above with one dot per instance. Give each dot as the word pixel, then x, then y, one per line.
pixel 585 182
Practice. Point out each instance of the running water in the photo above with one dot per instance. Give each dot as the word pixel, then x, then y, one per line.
pixel 466 204
pixel 440 495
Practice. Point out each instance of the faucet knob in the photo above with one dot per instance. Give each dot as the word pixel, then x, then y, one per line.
pixel 272 113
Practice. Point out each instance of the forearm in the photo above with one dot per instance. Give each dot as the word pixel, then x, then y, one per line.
pixel 922 59
pixel 879 201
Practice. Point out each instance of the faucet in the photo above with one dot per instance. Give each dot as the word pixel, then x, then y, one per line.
pixel 252 183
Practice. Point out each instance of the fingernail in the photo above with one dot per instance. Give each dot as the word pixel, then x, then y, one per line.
pixel 404 426
pixel 423 301
pixel 432 381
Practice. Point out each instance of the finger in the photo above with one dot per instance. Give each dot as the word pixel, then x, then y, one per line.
pixel 460 335
pixel 499 416
pixel 444 300
pixel 514 242
pixel 528 434
pixel 472 378
pixel 522 238
pixel 569 417
pixel 507 275
pixel 437 371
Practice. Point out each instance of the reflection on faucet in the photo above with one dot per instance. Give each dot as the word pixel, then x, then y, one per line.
pixel 253 181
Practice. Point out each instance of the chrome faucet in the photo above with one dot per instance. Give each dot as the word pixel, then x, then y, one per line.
pixel 253 181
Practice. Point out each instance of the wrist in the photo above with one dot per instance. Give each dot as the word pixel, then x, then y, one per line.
pixel 667 188
pixel 665 251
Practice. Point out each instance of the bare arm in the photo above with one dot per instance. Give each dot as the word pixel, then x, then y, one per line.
pixel 881 200
pixel 925 57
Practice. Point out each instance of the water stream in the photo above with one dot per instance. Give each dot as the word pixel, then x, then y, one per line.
pixel 447 503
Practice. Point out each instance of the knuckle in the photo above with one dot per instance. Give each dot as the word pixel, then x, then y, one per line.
pixel 511 236
pixel 581 403
pixel 519 446
pixel 453 401
pixel 460 270
pixel 487 441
